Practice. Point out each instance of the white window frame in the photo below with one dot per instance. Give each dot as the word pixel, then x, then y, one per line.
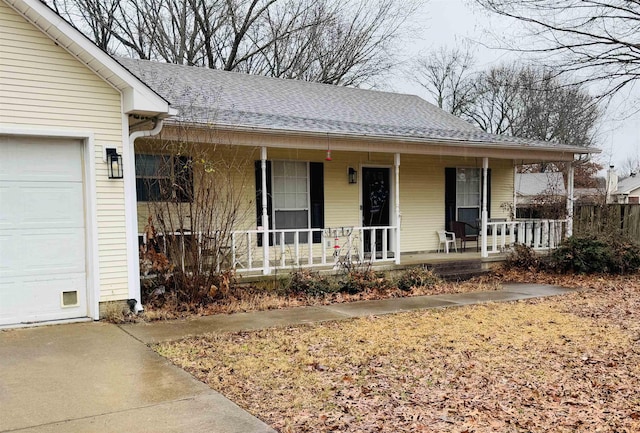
pixel 158 177
pixel 479 206
pixel 273 192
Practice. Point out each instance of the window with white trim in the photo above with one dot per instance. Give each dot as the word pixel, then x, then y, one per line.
pixel 291 197
pixel 468 195
pixel 164 178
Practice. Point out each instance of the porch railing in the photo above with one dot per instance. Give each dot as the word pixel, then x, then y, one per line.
pixel 243 251
pixel 311 247
pixel 537 234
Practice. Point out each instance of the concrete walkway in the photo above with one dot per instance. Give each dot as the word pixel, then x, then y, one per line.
pixel 94 377
pixel 156 332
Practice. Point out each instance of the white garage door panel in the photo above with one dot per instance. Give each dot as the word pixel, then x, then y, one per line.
pixel 52 252
pixel 42 230
pixel 63 203
pixel 46 160
pixel 5 218
pixel 40 204
pixel 41 299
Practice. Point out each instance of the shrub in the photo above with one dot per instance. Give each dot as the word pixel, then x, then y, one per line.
pixel 625 256
pixel 361 279
pixel 590 254
pixel 417 277
pixel 306 282
pixel 523 257
pixel 583 255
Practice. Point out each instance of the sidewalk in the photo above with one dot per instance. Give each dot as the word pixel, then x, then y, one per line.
pixel 156 332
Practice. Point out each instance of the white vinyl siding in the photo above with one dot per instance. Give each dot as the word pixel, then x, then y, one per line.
pixel 43 87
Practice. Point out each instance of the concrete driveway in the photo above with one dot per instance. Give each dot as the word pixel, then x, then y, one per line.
pixel 93 377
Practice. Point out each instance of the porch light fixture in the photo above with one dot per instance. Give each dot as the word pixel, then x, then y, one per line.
pixel 353 175
pixel 114 163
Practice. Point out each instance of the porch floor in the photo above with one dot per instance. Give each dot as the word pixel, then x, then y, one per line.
pixel 426 258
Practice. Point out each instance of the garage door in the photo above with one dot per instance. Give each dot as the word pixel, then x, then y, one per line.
pixel 42 230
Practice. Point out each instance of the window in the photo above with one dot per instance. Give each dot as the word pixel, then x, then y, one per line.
pixel 164 178
pixel 291 197
pixel 300 202
pixel 468 195
pixel 463 194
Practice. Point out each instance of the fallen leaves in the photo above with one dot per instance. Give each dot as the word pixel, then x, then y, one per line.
pixel 564 364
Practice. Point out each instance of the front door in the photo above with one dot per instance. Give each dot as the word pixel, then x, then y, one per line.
pixel 376 198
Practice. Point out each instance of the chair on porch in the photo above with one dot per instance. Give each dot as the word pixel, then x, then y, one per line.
pixel 465 232
pixel 446 239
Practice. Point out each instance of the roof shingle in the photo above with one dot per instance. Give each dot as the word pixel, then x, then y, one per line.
pixel 218 97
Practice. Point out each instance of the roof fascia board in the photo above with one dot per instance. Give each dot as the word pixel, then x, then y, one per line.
pixel 354 143
pixel 138 98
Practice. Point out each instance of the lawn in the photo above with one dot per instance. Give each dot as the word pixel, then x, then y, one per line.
pixel 563 364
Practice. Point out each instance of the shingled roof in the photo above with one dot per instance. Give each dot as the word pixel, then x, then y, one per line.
pixel 628 184
pixel 533 184
pixel 233 99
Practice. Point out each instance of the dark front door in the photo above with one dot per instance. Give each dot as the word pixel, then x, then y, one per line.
pixel 376 195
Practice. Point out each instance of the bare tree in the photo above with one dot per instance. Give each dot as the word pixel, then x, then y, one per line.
pixel 495 106
pixel 195 200
pixel 338 42
pixel 97 16
pixel 447 75
pixel 598 39
pixel 631 165
pixel 533 103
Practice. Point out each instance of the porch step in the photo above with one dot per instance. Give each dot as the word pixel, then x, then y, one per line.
pixel 458 270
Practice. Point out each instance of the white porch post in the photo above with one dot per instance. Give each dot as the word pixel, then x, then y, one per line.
pixel 396 161
pixel 515 191
pixel 483 225
pixel 266 269
pixel 569 231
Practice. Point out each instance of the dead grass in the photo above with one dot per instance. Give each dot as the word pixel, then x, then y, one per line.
pixel 563 364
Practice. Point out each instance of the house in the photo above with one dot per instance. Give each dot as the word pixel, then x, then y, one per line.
pixel 68 239
pixel 540 195
pixel 627 190
pixel 90 143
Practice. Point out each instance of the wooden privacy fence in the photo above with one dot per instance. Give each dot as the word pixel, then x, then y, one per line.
pixel 610 218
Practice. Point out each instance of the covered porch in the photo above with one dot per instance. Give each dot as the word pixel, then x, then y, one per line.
pixel 325 205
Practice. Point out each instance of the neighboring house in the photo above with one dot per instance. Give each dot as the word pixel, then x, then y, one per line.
pixel 392 168
pixel 627 190
pixel 539 195
pixel 589 196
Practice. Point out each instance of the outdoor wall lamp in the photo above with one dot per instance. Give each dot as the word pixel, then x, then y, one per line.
pixel 353 175
pixel 114 163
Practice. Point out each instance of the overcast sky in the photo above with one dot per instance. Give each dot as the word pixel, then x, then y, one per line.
pixel 449 22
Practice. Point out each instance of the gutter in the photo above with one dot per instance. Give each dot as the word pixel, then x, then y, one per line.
pixel 132 215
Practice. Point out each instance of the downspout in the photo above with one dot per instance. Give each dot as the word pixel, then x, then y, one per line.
pixel 131 211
